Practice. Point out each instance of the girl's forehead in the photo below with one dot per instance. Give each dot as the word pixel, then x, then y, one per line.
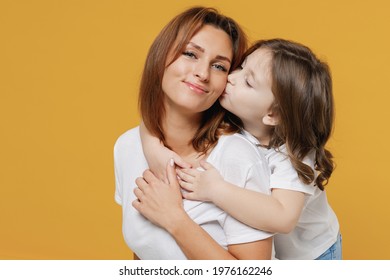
pixel 259 60
pixel 258 64
pixel 261 55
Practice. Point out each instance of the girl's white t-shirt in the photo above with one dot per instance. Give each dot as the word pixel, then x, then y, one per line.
pixel 318 227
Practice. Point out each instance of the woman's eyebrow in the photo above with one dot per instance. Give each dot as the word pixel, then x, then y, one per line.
pixel 220 57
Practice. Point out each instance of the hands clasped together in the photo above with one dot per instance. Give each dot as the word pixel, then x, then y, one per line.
pixel 161 200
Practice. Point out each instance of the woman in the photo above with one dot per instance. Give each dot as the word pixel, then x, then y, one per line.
pixel 185 73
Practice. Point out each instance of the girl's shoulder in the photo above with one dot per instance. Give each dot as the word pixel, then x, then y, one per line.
pixel 236 141
pixel 280 155
pixel 235 147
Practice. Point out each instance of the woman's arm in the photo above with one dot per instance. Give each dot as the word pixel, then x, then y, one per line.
pixel 161 203
pixel 197 244
pixel 278 212
pixel 157 155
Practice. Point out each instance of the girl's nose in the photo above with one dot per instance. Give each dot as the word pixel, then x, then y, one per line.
pixel 232 78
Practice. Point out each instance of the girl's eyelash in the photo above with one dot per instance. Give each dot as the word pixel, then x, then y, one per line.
pixel 246 81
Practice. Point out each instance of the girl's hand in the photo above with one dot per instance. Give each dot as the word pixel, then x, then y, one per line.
pixel 201 185
pixel 158 201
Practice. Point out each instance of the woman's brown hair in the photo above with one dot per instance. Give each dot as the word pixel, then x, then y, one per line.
pixel 302 87
pixel 176 34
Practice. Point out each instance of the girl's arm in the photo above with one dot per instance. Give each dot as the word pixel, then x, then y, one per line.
pixel 161 203
pixel 157 154
pixel 278 212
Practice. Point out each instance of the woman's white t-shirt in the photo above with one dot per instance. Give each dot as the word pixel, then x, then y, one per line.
pixel 238 161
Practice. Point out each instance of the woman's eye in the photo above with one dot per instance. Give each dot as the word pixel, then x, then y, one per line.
pixel 220 67
pixel 247 83
pixel 189 54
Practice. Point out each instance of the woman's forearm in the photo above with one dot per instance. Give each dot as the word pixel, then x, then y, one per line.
pixel 194 241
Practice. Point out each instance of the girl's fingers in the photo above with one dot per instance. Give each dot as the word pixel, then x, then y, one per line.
pixel 186 186
pixel 184 176
pixel 181 163
pixel 190 196
pixel 189 171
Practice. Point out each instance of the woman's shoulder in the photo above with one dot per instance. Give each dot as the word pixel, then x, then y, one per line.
pixel 127 139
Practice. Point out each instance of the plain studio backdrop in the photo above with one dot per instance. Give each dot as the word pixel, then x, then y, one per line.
pixel 69 74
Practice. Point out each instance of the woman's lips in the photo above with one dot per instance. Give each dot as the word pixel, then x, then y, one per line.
pixel 196 88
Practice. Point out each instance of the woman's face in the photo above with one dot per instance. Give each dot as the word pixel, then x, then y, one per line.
pixel 195 80
pixel 248 93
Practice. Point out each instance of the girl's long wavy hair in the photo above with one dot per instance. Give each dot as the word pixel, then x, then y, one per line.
pixel 174 37
pixel 302 88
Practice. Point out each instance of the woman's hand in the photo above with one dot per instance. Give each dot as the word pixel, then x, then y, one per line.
pixel 201 185
pixel 158 201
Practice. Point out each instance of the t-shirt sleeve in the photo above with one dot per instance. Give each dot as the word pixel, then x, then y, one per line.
pixel 285 176
pixel 236 232
pixel 244 167
pixel 118 186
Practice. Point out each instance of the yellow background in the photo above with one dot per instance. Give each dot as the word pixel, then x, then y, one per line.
pixel 69 72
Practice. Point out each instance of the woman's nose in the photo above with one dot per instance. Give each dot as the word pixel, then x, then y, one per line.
pixel 202 71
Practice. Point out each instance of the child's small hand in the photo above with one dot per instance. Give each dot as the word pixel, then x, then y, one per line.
pixel 201 185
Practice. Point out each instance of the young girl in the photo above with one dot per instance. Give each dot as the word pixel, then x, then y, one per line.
pixel 283 96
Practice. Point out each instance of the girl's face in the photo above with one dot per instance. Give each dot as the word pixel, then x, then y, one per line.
pixel 195 80
pixel 248 93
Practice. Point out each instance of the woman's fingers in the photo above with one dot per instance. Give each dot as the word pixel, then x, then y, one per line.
pixel 148 176
pixel 136 204
pixel 138 193
pixel 142 187
pixel 141 183
pixel 171 173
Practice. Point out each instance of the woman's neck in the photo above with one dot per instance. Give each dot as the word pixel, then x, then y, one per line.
pixel 179 131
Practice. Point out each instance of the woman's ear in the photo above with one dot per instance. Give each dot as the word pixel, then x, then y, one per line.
pixel 271 119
